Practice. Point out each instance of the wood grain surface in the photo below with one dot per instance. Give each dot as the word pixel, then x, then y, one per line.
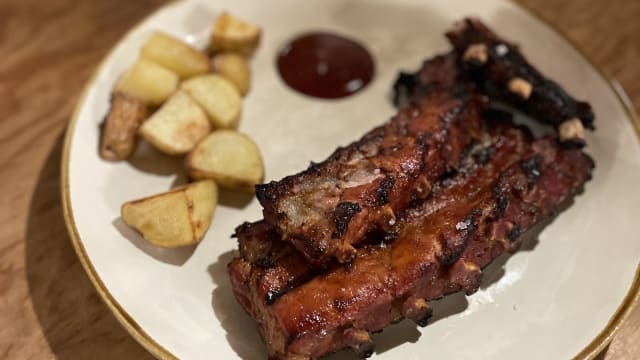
pixel 48 49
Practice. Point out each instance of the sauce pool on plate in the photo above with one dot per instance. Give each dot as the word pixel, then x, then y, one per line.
pixel 325 65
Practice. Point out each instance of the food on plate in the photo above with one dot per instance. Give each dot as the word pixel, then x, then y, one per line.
pixel 229 157
pixel 437 247
pixel 327 209
pixel 177 126
pixel 234 68
pixel 231 34
pixel 498 68
pixel 119 130
pixel 175 218
pixel 148 81
pixel 171 78
pixel 439 73
pixel 175 55
pixel 220 99
pixel 527 88
pixel 466 184
pixel 325 65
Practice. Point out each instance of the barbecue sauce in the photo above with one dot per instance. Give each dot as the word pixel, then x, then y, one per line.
pixel 325 65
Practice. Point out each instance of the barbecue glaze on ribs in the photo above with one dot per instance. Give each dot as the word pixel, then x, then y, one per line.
pixel 497 68
pixel 326 209
pixel 506 75
pixel 440 247
pixel 416 208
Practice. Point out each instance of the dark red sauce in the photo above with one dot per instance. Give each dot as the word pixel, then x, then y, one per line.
pixel 325 65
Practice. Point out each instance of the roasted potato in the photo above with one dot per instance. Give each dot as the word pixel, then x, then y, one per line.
pixel 148 81
pixel 218 97
pixel 175 218
pixel 230 158
pixel 235 35
pixel 234 68
pixel 119 129
pixel 177 126
pixel 175 55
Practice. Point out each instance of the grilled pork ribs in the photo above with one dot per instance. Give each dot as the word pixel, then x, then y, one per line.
pixel 436 248
pixel 415 209
pixel 498 69
pixel 326 209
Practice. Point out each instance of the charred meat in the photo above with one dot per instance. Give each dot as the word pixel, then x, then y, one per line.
pixel 439 247
pixel 328 208
pixel 483 61
pixel 500 70
pixel 416 208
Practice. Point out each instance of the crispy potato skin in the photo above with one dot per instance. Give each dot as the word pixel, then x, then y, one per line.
pixel 230 158
pixel 148 81
pixel 119 129
pixel 178 217
pixel 177 126
pixel 175 55
pixel 219 98
pixel 234 35
pixel 235 68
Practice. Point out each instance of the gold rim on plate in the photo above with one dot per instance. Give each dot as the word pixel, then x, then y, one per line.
pixel 589 352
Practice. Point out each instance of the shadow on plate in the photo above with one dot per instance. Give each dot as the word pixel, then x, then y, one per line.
pixel 234 199
pixel 72 316
pixel 242 331
pixel 149 160
pixel 406 331
pixel 391 337
pixel 173 256
pixel 530 239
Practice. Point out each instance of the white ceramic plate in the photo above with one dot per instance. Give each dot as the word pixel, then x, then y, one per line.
pixel 553 302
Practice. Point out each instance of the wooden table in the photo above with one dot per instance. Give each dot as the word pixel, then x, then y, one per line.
pixel 48 49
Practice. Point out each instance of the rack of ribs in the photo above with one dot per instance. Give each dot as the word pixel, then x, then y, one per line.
pixel 416 208
pixel 498 69
pixel 439 73
pixel 502 187
pixel 327 209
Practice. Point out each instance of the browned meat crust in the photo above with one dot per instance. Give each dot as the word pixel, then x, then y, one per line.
pixel 326 209
pixel 481 60
pixel 440 247
pixel 431 198
pixel 279 267
pixel 437 74
pixel 501 71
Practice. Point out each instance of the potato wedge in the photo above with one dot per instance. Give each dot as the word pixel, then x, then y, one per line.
pixel 175 55
pixel 119 129
pixel 148 81
pixel 235 35
pixel 175 218
pixel 230 158
pixel 218 97
pixel 177 126
pixel 234 68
